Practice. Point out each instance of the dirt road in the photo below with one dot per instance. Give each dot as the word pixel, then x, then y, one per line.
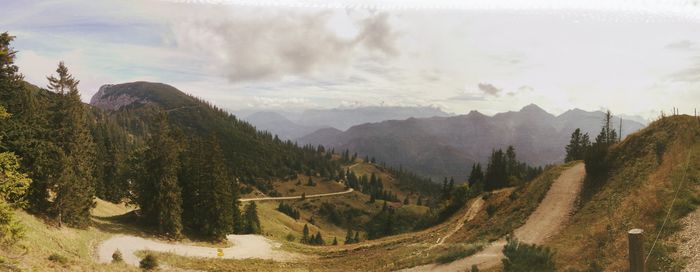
pixel 545 221
pixel 296 197
pixel 244 246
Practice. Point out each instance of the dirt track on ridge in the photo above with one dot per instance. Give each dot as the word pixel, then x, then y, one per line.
pixel 549 217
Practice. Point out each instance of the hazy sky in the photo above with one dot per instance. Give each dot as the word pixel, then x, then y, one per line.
pixel 491 56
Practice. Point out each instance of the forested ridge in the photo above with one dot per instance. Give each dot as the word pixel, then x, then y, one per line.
pixel 183 160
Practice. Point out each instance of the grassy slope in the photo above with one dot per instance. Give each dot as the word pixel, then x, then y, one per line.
pixel 636 195
pixel 41 240
pixel 511 208
pixel 278 225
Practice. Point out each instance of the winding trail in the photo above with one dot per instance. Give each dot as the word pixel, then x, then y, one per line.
pixel 296 197
pixel 244 246
pixel 546 221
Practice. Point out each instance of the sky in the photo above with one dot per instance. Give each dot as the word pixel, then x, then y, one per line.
pixel 632 57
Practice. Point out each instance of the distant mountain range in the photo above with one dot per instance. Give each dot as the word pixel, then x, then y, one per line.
pixel 447 146
pixel 294 126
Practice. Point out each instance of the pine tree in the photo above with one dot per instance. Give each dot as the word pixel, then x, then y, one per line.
pixel 305 234
pixel 357 237
pixel 207 196
pixel 318 239
pixel 511 162
pixel 405 200
pixel 496 176
pixel 335 241
pixel 476 175
pixel 74 185
pixel 577 146
pixel 252 222
pixel 348 237
pixel 159 194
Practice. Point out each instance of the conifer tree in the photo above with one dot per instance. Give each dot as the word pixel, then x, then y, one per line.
pixel 335 241
pixel 318 240
pixel 74 184
pixel 159 194
pixel 357 237
pixel 305 234
pixel 476 175
pixel 207 197
pixel 252 222
pixel 348 237
pixel 577 146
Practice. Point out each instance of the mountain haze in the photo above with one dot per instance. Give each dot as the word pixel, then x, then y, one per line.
pixel 447 146
pixel 279 125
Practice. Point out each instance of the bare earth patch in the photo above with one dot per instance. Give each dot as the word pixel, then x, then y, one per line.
pixel 244 247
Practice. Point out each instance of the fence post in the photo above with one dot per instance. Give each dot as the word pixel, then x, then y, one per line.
pixel 636 250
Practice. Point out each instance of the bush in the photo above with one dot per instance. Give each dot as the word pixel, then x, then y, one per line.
pixel 117 256
pixel 10 228
pixel 290 237
pixel 522 257
pixel 58 258
pixel 491 210
pixel 149 262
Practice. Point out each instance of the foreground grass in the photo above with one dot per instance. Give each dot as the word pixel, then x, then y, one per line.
pixel 455 252
pixel 73 249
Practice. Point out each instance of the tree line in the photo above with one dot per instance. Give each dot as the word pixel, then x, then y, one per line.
pixel 503 170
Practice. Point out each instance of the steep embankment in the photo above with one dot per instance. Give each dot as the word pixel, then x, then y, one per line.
pixel 646 172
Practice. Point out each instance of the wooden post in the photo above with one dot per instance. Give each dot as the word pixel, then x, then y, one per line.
pixel 636 250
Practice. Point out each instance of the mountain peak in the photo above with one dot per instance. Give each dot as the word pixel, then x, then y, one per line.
pixel 117 96
pixel 532 108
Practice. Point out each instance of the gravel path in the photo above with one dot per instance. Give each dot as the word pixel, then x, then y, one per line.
pixel 545 221
pixel 244 246
pixel 296 197
pixel 689 246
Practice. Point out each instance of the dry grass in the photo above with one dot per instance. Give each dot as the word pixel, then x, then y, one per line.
pixel 42 240
pixel 636 195
pixel 507 209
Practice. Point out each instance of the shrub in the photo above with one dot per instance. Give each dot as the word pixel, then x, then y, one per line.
pixel 58 258
pixel 117 256
pixel 149 262
pixel 522 257
pixel 491 210
pixel 290 237
pixel 10 228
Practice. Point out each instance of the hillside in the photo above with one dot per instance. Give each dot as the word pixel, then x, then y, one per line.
pixel 442 146
pixel 646 170
pixel 251 155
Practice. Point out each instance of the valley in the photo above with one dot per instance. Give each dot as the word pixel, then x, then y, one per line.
pixel 342 137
